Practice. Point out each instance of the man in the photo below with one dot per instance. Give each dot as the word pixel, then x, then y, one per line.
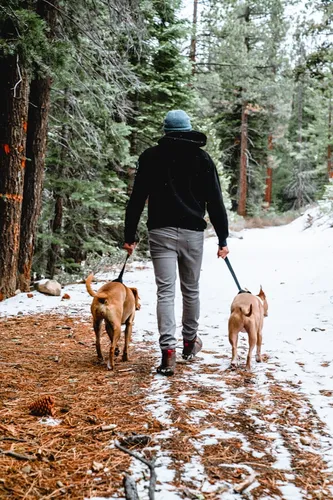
pixel 180 181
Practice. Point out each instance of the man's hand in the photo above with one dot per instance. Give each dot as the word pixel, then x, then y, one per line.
pixel 222 252
pixel 129 247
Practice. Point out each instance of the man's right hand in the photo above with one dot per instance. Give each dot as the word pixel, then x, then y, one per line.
pixel 222 252
pixel 129 247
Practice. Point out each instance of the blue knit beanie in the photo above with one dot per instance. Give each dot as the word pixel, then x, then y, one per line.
pixel 177 121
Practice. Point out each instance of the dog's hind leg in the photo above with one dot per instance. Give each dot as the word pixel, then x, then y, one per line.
pixel 234 326
pixel 252 343
pixel 98 330
pixel 114 332
pixel 259 342
pixel 128 336
pixel 233 339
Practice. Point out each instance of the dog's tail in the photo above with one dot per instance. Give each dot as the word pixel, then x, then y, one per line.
pixel 88 285
pixel 247 314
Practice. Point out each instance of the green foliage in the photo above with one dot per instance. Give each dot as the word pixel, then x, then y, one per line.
pixel 163 71
pixel 25 35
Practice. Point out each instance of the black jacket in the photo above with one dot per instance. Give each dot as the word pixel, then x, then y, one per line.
pixel 180 181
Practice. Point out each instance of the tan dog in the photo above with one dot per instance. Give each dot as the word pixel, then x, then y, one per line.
pixel 116 304
pixel 247 315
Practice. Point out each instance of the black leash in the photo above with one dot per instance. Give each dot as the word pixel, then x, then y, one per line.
pixel 120 277
pixel 235 277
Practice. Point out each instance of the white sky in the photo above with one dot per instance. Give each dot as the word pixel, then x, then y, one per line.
pixel 292 12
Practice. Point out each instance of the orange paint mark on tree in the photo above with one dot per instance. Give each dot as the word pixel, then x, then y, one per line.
pixel 13 197
pixel 6 148
pixel 23 162
pixel 25 126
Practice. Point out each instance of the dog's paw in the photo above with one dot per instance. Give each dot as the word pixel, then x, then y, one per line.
pixel 258 358
pixel 233 365
pixel 117 351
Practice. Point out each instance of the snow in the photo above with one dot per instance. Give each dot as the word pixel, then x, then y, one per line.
pixel 294 265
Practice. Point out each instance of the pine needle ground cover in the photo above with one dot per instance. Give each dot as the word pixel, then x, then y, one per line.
pixel 209 436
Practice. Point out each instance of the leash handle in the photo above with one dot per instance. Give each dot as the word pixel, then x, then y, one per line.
pixel 233 273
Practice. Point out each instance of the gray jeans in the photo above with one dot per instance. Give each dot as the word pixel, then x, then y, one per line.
pixel 169 246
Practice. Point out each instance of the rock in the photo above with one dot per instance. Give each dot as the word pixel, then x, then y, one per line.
pixel 110 427
pixel 65 296
pixel 305 441
pixel 17 292
pixel 26 469
pixel 30 295
pixel 49 287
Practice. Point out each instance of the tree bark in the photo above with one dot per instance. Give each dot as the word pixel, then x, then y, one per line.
pixel 269 175
pixel 13 125
pixel 57 222
pixel 193 47
pixel 244 134
pixel 56 229
pixel 243 162
pixel 329 146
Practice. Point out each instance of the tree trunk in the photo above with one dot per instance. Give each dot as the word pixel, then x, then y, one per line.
pixel 244 136
pixel 329 146
pixel 56 223
pixel 13 125
pixel 56 229
pixel 193 48
pixel 243 163
pixel 39 100
pixel 39 103
pixel 269 175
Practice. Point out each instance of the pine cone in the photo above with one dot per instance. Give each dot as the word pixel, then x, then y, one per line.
pixel 42 407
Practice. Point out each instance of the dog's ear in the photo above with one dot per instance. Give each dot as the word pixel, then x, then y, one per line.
pixel 262 293
pixel 136 297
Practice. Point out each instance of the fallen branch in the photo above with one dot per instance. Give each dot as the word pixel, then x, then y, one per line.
pixel 150 465
pixel 19 456
pixel 5 438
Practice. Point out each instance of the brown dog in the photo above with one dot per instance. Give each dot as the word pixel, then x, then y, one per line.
pixel 116 304
pixel 247 315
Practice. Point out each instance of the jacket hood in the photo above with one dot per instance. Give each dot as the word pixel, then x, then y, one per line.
pixel 179 138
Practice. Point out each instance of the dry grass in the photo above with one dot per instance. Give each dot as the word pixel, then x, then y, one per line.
pixel 269 220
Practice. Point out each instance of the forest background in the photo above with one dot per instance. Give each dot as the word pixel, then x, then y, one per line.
pixel 84 88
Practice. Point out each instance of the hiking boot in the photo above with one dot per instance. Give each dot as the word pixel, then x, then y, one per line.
pixel 191 348
pixel 168 365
